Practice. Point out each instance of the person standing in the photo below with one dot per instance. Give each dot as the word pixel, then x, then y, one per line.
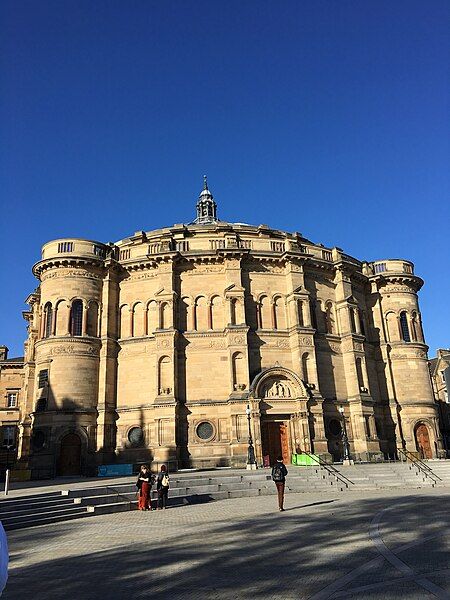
pixel 162 486
pixel 144 485
pixel 279 473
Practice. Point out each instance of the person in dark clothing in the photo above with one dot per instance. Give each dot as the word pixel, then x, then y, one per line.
pixel 144 485
pixel 279 473
pixel 162 486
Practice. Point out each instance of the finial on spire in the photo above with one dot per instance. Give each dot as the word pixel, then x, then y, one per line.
pixel 206 207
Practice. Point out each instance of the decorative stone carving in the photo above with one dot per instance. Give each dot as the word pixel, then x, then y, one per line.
pixel 56 350
pixel 277 389
pixel 305 341
pixel 66 273
pixel 164 343
pixel 283 344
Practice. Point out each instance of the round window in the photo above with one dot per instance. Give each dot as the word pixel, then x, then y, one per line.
pixel 205 430
pixel 136 436
pixel 38 440
pixel 335 427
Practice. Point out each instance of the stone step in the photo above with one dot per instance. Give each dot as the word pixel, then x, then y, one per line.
pixel 31 520
pixel 35 510
pixel 30 502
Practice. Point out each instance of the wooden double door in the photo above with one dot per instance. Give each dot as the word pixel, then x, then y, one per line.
pixel 69 461
pixel 423 443
pixel 275 441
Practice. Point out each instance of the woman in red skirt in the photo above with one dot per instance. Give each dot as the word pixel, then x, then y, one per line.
pixel 144 485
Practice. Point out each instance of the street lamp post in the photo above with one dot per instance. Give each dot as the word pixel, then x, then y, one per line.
pixel 345 444
pixel 251 461
pixel 7 474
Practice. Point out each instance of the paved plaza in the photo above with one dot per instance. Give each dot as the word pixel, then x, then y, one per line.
pixel 374 545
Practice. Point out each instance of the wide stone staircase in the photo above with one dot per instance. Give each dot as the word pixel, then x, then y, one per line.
pixel 205 486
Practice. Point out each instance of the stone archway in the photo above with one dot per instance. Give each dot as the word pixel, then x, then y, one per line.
pixel 69 460
pixel 422 439
pixel 284 422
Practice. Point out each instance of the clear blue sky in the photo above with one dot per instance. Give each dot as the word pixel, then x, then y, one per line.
pixel 329 118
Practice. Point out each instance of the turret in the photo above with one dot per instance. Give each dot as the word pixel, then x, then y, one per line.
pixel 397 319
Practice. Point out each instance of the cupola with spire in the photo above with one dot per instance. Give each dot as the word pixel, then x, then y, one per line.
pixel 206 207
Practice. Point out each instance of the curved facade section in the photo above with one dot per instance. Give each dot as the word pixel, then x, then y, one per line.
pixel 67 357
pixel 174 344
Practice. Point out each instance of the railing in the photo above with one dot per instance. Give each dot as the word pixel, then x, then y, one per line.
pixel 118 494
pixel 419 464
pixel 331 469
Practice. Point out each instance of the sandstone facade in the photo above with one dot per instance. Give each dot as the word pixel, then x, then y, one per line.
pixel 153 347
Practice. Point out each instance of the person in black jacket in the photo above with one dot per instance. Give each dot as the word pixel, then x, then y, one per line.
pixel 162 486
pixel 144 485
pixel 279 473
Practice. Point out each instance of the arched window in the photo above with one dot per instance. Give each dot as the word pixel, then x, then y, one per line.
pixel 152 317
pixel 404 327
pixel 61 315
pixel 359 373
pixel 201 314
pixel 138 320
pixel 264 313
pixel 76 318
pixel 233 311
pixel 362 321
pixel 92 319
pixel 164 316
pixel 329 317
pixel 301 317
pixel 185 309
pixel 312 306
pixel 48 320
pixel 238 371
pixel 415 327
pixel 124 322
pixel 305 367
pixel 217 316
pixel 164 375
pixel 392 327
pixel 279 313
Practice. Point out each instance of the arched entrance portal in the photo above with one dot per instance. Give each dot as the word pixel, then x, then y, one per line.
pixel 284 414
pixel 423 444
pixel 69 461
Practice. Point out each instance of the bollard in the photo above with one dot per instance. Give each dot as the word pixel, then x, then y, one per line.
pixel 7 482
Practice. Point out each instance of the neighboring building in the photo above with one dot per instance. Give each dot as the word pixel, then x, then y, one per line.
pixel 11 384
pixel 151 348
pixel 440 377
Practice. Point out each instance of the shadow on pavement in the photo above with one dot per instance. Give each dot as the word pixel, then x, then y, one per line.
pixel 289 555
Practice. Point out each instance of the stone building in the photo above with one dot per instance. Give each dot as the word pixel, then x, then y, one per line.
pixel 153 347
pixel 440 377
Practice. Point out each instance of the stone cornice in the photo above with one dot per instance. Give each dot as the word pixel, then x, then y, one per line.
pixel 66 262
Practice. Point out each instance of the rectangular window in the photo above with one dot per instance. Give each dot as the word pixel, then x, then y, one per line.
pixel 124 254
pixel 182 246
pixel 42 378
pixel 99 251
pixel 327 255
pixel 277 246
pixel 65 247
pixel 11 399
pixel 380 267
pixel 217 244
pixel 9 435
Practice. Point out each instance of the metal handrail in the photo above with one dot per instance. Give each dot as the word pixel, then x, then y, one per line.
pixel 330 468
pixel 420 464
pixel 119 495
